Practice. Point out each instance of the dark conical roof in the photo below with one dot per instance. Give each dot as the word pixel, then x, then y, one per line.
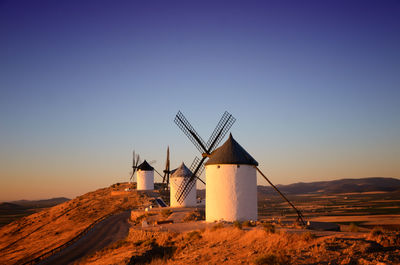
pixel 182 172
pixel 145 166
pixel 231 153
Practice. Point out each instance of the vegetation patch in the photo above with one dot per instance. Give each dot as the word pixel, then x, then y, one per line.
pixel 271 259
pixel 217 226
pixel 193 235
pixel 155 252
pixel 166 212
pixel 237 224
pixel 194 216
pixel 269 228
pixel 248 224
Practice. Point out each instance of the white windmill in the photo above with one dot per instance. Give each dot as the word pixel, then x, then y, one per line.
pixel 231 174
pixel 176 179
pixel 231 190
pixel 145 176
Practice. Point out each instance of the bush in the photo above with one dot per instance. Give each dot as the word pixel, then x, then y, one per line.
pixel 166 212
pixel 308 236
pixel 376 231
pixel 247 224
pixel 269 228
pixel 194 216
pixel 217 226
pixel 353 227
pixel 237 224
pixel 271 259
pixel 193 235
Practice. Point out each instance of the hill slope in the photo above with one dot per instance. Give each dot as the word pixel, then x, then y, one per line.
pixel 54 226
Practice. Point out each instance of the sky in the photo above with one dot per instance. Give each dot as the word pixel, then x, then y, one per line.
pixel 314 86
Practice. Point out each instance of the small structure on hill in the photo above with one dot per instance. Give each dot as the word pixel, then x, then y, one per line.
pixel 231 190
pixel 179 176
pixel 145 176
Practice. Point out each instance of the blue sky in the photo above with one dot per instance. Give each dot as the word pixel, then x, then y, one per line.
pixel 315 88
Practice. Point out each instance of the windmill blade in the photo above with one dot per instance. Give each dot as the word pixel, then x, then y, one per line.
pixel 195 163
pixel 223 126
pixel 133 165
pixel 190 132
pixel 188 183
pixel 137 161
pixel 300 217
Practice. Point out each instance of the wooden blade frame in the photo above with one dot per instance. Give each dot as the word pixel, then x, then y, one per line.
pixel 218 134
pixel 135 163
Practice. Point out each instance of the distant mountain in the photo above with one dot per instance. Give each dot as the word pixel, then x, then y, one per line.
pixel 40 203
pixel 8 206
pixel 338 186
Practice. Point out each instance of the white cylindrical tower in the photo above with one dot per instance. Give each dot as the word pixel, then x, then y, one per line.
pixel 180 175
pixel 145 176
pixel 231 184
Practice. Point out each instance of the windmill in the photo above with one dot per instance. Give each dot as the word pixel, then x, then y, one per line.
pixel 205 149
pixel 145 176
pixel 177 177
pixel 236 159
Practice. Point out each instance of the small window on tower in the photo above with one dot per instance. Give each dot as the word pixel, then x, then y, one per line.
pixel 218 166
pixel 238 165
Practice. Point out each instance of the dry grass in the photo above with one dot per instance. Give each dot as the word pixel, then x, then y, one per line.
pixel 229 245
pixel 54 226
pixel 196 215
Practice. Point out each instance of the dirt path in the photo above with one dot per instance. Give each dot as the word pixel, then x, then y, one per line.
pixel 106 232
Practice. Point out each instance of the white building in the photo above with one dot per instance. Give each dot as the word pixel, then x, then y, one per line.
pixel 231 184
pixel 145 176
pixel 180 175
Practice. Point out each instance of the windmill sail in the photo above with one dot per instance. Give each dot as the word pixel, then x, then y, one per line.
pixel 205 149
pixel 135 163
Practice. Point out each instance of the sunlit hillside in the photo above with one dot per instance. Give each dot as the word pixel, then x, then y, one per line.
pixel 30 236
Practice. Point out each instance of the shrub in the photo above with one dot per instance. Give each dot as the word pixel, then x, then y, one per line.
pixel 237 224
pixel 166 212
pixel 376 231
pixel 308 236
pixel 271 259
pixel 353 227
pixel 217 226
pixel 269 228
pixel 194 216
pixel 193 235
pixel 247 224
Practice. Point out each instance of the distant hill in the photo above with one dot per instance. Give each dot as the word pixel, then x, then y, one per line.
pixel 338 186
pixel 40 203
pixel 8 206
pixel 10 211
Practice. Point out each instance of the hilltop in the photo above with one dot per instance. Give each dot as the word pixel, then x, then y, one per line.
pixel 56 225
